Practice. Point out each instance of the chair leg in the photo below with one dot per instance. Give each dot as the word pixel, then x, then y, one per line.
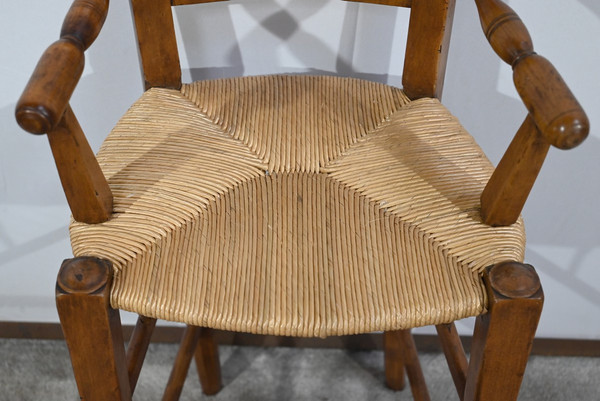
pixel 92 329
pixel 182 363
pixel 418 387
pixel 455 356
pixel 393 360
pixel 503 337
pixel 400 353
pixel 138 346
pixel 207 362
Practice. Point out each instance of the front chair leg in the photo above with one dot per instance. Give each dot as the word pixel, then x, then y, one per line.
pixel 92 329
pixel 503 337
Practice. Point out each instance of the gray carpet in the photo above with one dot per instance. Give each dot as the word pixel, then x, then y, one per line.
pixel 40 370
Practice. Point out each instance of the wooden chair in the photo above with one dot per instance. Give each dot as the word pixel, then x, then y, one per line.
pixel 295 205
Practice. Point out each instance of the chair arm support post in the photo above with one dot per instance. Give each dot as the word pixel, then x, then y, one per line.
pixel 84 184
pixel 503 337
pixel 509 186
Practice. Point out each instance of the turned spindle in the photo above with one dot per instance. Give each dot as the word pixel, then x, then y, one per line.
pixel 555 117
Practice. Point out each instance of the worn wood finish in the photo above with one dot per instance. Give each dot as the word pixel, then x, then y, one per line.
pixel 207 362
pixel 44 108
pixel 47 94
pixel 53 81
pixel 504 30
pixel 550 102
pixel 507 190
pixel 553 107
pixel 397 3
pixel 84 21
pixel 555 116
pixel 85 187
pixel 455 355
pixel 157 43
pixel 188 345
pixel 393 360
pixel 418 386
pixel 503 337
pixel 138 346
pixel 92 329
pixel 427 46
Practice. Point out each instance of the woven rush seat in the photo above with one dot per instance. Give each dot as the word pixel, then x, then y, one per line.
pixel 295 205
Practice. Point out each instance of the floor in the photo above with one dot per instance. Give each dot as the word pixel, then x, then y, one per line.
pixel 40 370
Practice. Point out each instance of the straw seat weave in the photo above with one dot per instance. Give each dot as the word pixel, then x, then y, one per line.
pixel 295 205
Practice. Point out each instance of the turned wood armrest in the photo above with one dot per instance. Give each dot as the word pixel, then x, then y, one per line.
pixel 51 85
pixel 44 108
pixel 555 117
pixel 548 99
pixel 550 102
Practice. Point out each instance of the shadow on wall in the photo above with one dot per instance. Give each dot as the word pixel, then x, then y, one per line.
pixel 257 51
pixel 592 5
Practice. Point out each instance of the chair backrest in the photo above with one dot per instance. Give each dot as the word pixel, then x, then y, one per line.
pixel 426 51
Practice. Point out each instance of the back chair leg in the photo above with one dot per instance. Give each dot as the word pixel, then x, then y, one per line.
pixel 418 387
pixel 400 353
pixel 207 362
pixel 92 329
pixel 181 366
pixel 138 346
pixel 503 337
pixel 394 360
pixel 455 356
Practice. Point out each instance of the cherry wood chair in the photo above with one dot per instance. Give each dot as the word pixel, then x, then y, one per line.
pixel 298 206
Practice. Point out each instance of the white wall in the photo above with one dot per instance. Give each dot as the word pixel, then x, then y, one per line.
pixel 258 36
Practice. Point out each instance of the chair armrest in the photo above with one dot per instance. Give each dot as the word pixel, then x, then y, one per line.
pixel 44 108
pixel 550 102
pixel 53 81
pixel 548 99
pixel 555 117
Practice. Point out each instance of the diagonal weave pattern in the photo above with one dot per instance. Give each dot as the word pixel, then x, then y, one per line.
pixel 295 205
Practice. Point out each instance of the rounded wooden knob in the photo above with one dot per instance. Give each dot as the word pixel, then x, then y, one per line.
pixel 83 275
pixel 514 280
pixel 35 120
